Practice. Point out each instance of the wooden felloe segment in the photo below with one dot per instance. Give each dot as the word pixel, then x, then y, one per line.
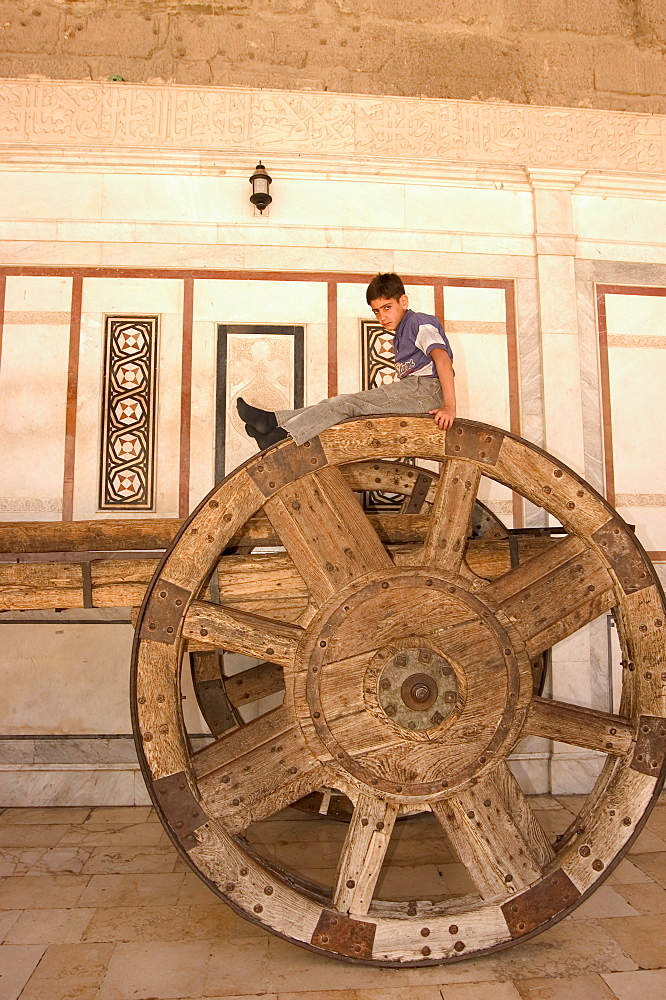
pixel 239 632
pixel 363 854
pixel 540 904
pixel 487 840
pixel 581 727
pixel 360 607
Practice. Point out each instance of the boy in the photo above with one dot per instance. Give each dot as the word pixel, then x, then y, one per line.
pixel 423 363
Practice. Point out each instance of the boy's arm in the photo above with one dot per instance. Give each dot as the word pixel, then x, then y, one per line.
pixel 445 415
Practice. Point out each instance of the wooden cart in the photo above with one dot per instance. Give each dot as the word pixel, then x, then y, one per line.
pixel 406 648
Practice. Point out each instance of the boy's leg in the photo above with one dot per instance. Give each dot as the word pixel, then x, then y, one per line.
pixel 409 395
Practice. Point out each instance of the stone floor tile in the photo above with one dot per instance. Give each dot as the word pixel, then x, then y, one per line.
pixel 656 821
pixel 214 921
pixel 7 920
pixel 387 993
pixel 15 861
pixel 573 803
pixel 119 815
pixel 137 923
pixel 132 890
pixel 590 987
pixel 17 963
pixel 69 972
pixel 570 948
pixel 31 835
pixel 56 859
pixel 554 821
pixel 646 984
pixel 56 926
pixel 642 938
pixel 164 970
pixel 194 891
pixel 113 860
pixel 235 969
pixel 625 873
pixel 646 897
pixel 110 835
pixel 479 991
pixel 50 815
pixel 653 864
pixel 604 902
pixel 292 970
pixel 23 892
pixel 647 841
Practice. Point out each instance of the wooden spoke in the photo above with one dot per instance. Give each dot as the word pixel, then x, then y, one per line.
pixel 521 812
pixel 497 854
pixel 253 684
pixel 326 533
pixel 257 770
pixel 363 853
pixel 450 516
pixel 581 727
pixel 240 632
pixel 554 594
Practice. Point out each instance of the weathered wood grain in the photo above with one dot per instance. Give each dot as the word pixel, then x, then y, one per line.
pixel 253 684
pixel 581 727
pixel 240 632
pixel 444 545
pixel 363 853
pixel 326 533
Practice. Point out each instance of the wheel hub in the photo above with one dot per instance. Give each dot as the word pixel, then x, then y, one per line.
pixel 418 688
pixel 415 714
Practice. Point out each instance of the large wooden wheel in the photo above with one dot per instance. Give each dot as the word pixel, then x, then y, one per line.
pixel 407 684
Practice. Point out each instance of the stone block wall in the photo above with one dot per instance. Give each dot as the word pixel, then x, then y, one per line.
pixel 601 54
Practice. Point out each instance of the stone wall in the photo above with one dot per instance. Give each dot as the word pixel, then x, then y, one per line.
pixel 600 54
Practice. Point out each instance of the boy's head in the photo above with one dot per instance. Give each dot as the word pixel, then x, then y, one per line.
pixel 386 297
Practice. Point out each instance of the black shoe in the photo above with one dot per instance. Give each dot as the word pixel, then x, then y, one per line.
pixel 265 440
pixel 263 421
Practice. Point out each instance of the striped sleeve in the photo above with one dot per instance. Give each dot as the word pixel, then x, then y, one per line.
pixel 429 337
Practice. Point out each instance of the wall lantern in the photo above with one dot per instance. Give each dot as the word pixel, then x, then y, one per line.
pixel 261 183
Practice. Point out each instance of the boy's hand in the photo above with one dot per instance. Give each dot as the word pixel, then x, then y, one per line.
pixel 444 417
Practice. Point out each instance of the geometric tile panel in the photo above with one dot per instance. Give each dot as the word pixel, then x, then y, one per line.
pixel 128 413
pixel 379 369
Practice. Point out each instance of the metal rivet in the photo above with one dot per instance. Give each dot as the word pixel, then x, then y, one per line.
pixel 268 889
pixel 258 908
pixel 227 517
pixel 627 821
pixel 558 473
pixel 379 825
pixel 244 871
pixel 296 505
pixel 459 946
pixel 486 802
pixel 584 851
pixel 316 715
pixel 571 505
pixel 235 802
pixel 230 887
pixel 425 950
pixel 425 932
pixel 385 585
pixel 322 643
pixel 142 700
pixel 148 737
pixel 508 877
pixel 453 929
pixel 350 883
pixel 428 583
pixel 293 770
pixel 203 631
pixel 364 821
pixel 471 814
pixel 271 486
pixel 598 865
pixel 214 504
pixel 269 651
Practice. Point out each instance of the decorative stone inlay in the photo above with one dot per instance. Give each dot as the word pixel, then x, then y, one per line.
pixel 217 118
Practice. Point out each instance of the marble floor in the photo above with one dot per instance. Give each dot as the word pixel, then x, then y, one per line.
pixel 95 904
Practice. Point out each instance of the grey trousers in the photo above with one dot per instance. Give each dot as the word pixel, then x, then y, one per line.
pixel 414 394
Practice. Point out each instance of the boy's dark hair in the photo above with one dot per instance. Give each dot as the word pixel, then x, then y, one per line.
pixel 385 286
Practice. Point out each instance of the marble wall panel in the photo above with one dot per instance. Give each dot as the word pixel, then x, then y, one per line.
pixel 562 399
pixel 230 301
pixel 636 315
pixel 36 194
pixel 73 785
pixel 33 388
pixel 202 421
pixel 612 217
pixel 122 297
pixel 69 679
pixel 557 295
pixel 468 210
pixel 637 376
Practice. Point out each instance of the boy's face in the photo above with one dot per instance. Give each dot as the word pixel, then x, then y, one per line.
pixel 389 312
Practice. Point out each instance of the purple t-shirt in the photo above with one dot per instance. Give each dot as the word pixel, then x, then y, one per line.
pixel 417 335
